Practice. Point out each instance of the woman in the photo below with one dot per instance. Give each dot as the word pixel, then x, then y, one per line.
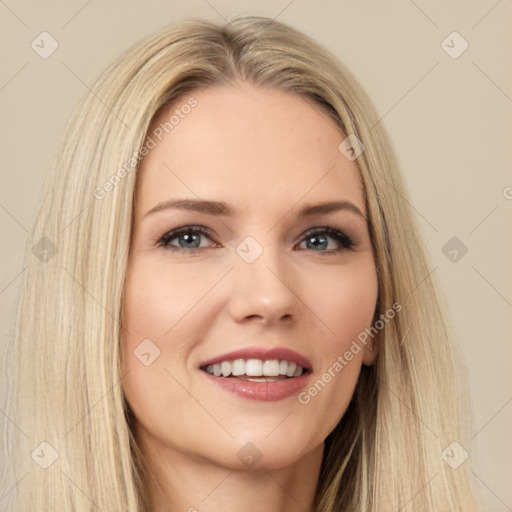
pixel 226 304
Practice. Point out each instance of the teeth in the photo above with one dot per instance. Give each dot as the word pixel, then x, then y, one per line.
pixel 238 367
pixel 291 369
pixel 255 368
pixel 226 368
pixel 271 368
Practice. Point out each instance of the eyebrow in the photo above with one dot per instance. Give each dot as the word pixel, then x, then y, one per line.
pixel 221 208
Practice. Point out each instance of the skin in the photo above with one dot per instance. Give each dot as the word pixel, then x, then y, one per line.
pixel 266 153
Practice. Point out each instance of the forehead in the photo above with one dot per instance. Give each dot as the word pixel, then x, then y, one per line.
pixel 247 145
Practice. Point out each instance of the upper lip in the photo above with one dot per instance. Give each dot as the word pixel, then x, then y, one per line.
pixel 265 354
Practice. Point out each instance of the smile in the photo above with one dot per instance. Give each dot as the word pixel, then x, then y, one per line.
pixel 264 371
pixel 258 373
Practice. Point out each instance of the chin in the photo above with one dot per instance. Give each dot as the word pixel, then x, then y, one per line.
pixel 264 452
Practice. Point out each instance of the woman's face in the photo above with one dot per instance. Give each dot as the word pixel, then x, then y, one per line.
pixel 234 275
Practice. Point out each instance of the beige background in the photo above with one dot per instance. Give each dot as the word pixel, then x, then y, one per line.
pixel 450 120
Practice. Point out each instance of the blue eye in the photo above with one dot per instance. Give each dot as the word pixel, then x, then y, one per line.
pixel 320 236
pixel 189 236
pixel 317 239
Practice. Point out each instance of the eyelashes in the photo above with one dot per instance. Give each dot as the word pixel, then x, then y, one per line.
pixel 345 241
pixel 320 237
pixel 181 232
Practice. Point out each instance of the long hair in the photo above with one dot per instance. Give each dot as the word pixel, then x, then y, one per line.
pixel 68 428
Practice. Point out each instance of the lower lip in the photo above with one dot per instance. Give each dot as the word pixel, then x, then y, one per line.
pixel 263 391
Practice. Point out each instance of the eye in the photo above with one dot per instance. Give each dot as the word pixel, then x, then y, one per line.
pixel 189 238
pixel 317 239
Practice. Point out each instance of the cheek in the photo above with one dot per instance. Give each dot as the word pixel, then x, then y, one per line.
pixel 161 301
pixel 165 314
pixel 345 303
pixel 154 344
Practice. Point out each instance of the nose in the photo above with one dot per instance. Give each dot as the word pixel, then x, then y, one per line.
pixel 264 290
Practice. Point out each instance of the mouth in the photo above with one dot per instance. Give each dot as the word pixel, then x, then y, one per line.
pixel 256 370
pixel 259 374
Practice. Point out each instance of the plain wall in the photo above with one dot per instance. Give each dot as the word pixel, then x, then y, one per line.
pixel 450 120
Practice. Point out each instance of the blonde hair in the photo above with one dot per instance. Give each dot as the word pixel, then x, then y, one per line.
pixel 65 382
